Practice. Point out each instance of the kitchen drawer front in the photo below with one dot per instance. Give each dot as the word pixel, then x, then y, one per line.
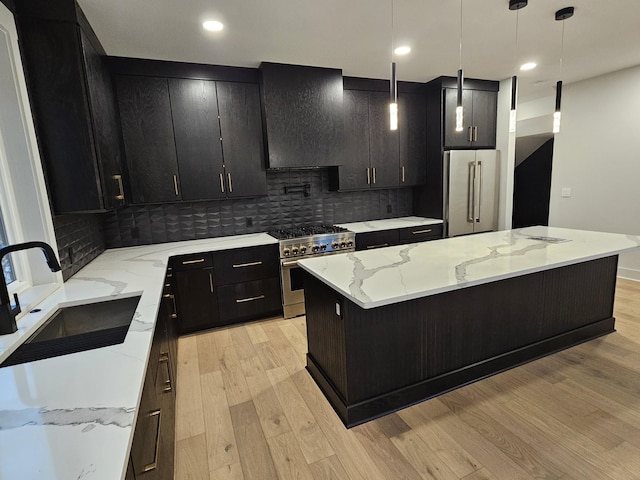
pixel 191 261
pixel 246 264
pixel 378 239
pixel 422 233
pixel 249 300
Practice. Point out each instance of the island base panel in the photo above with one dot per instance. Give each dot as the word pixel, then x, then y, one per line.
pixel 349 357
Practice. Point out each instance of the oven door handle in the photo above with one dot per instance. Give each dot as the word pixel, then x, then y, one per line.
pixel 294 263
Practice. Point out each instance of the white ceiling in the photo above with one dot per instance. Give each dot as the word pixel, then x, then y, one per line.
pixel 355 35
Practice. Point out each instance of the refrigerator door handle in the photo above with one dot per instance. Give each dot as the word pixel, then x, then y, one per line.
pixel 477 200
pixel 471 192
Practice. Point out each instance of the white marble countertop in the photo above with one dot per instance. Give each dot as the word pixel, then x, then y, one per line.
pixel 72 417
pixel 394 274
pixel 389 224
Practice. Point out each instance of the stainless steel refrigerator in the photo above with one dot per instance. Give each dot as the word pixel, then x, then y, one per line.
pixel 470 186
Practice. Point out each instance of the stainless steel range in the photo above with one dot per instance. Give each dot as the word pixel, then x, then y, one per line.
pixel 306 242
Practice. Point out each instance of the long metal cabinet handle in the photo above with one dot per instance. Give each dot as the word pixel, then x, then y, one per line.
pixel 475 134
pixel 250 264
pixel 418 232
pixel 374 175
pixel 153 465
pixel 164 358
pixel 470 134
pixel 175 184
pixel 470 190
pixel 189 262
pixel 477 201
pixel 230 184
pixel 221 183
pixel 118 179
pixel 175 308
pixel 378 246
pixel 403 174
pixel 211 282
pixel 250 299
pixel 368 176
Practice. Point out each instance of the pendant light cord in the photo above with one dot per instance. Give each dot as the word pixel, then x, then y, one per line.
pixel 562 49
pixel 461 34
pixel 392 34
pixel 515 55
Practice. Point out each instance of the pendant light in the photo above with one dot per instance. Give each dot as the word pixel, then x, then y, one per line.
pixel 515 5
pixel 393 100
pixel 561 15
pixel 459 110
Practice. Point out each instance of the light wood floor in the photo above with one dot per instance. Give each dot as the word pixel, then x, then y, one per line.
pixel 247 409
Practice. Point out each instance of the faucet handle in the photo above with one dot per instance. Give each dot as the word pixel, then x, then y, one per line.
pixel 15 309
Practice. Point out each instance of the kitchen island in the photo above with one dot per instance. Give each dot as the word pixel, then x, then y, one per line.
pixel 395 326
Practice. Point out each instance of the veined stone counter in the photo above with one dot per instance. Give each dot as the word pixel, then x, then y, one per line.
pixel 72 417
pixel 389 224
pixel 395 274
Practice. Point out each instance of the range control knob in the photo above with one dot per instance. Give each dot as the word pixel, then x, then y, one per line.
pixel 342 244
pixel 323 247
pixel 349 243
pixel 286 252
pixel 303 249
pixel 315 248
pixel 335 245
pixel 294 250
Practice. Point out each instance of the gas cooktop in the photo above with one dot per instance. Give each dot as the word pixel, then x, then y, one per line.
pixel 305 231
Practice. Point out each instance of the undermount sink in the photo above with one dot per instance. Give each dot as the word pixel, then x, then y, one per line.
pixel 78 328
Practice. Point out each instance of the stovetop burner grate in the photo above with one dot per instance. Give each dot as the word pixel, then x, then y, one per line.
pixel 305 231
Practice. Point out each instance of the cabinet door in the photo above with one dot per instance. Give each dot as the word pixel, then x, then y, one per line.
pixel 194 110
pixel 412 129
pixel 383 143
pixel 485 111
pixel 196 299
pixel 241 127
pixel 105 124
pixel 453 139
pixel 355 173
pixel 147 132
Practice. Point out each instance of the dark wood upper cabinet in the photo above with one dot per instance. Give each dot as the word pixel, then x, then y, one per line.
pixel 480 109
pixel 147 132
pixel 242 141
pixel 383 143
pixel 412 130
pixel 72 100
pixel 302 113
pixel 194 109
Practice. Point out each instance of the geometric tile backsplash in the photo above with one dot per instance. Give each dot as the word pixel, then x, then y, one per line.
pixel 172 222
pixel 80 240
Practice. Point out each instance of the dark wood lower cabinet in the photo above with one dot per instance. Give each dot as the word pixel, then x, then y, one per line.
pixel 398 236
pixel 249 300
pixel 196 299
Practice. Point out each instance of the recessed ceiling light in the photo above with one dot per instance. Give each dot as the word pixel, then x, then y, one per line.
pixel 402 50
pixel 528 66
pixel 213 25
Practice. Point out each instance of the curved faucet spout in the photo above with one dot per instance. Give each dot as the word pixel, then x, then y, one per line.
pixel 9 312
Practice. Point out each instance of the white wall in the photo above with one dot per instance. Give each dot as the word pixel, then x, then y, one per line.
pixel 506 144
pixel 597 155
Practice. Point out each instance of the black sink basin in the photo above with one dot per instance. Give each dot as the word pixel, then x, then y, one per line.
pixel 78 328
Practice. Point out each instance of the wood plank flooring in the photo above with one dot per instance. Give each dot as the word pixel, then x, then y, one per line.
pixel 248 410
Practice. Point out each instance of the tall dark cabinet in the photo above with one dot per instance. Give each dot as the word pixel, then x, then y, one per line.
pixel 190 138
pixel 480 102
pixel 72 99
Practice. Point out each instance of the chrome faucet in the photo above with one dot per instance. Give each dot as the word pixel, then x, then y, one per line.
pixel 9 312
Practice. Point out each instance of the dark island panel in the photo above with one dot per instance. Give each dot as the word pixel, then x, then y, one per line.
pixel 370 362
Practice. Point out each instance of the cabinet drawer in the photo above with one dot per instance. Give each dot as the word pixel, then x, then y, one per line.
pixel 249 300
pixel 381 238
pixel 191 261
pixel 420 234
pixel 246 264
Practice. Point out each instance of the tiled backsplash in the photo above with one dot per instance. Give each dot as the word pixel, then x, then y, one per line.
pixel 79 239
pixel 147 224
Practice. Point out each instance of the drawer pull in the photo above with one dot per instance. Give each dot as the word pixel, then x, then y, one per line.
pixel 250 264
pixel 153 465
pixel 164 358
pixel 167 295
pixel 210 282
pixel 250 299
pixel 189 262
pixel 418 232
pixel 378 246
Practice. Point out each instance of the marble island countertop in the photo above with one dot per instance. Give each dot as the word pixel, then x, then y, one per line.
pixel 394 274
pixel 389 224
pixel 72 417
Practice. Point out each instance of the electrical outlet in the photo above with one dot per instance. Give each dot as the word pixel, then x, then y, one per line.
pixel 388 208
pixel 566 192
pixel 135 232
pixel 249 221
